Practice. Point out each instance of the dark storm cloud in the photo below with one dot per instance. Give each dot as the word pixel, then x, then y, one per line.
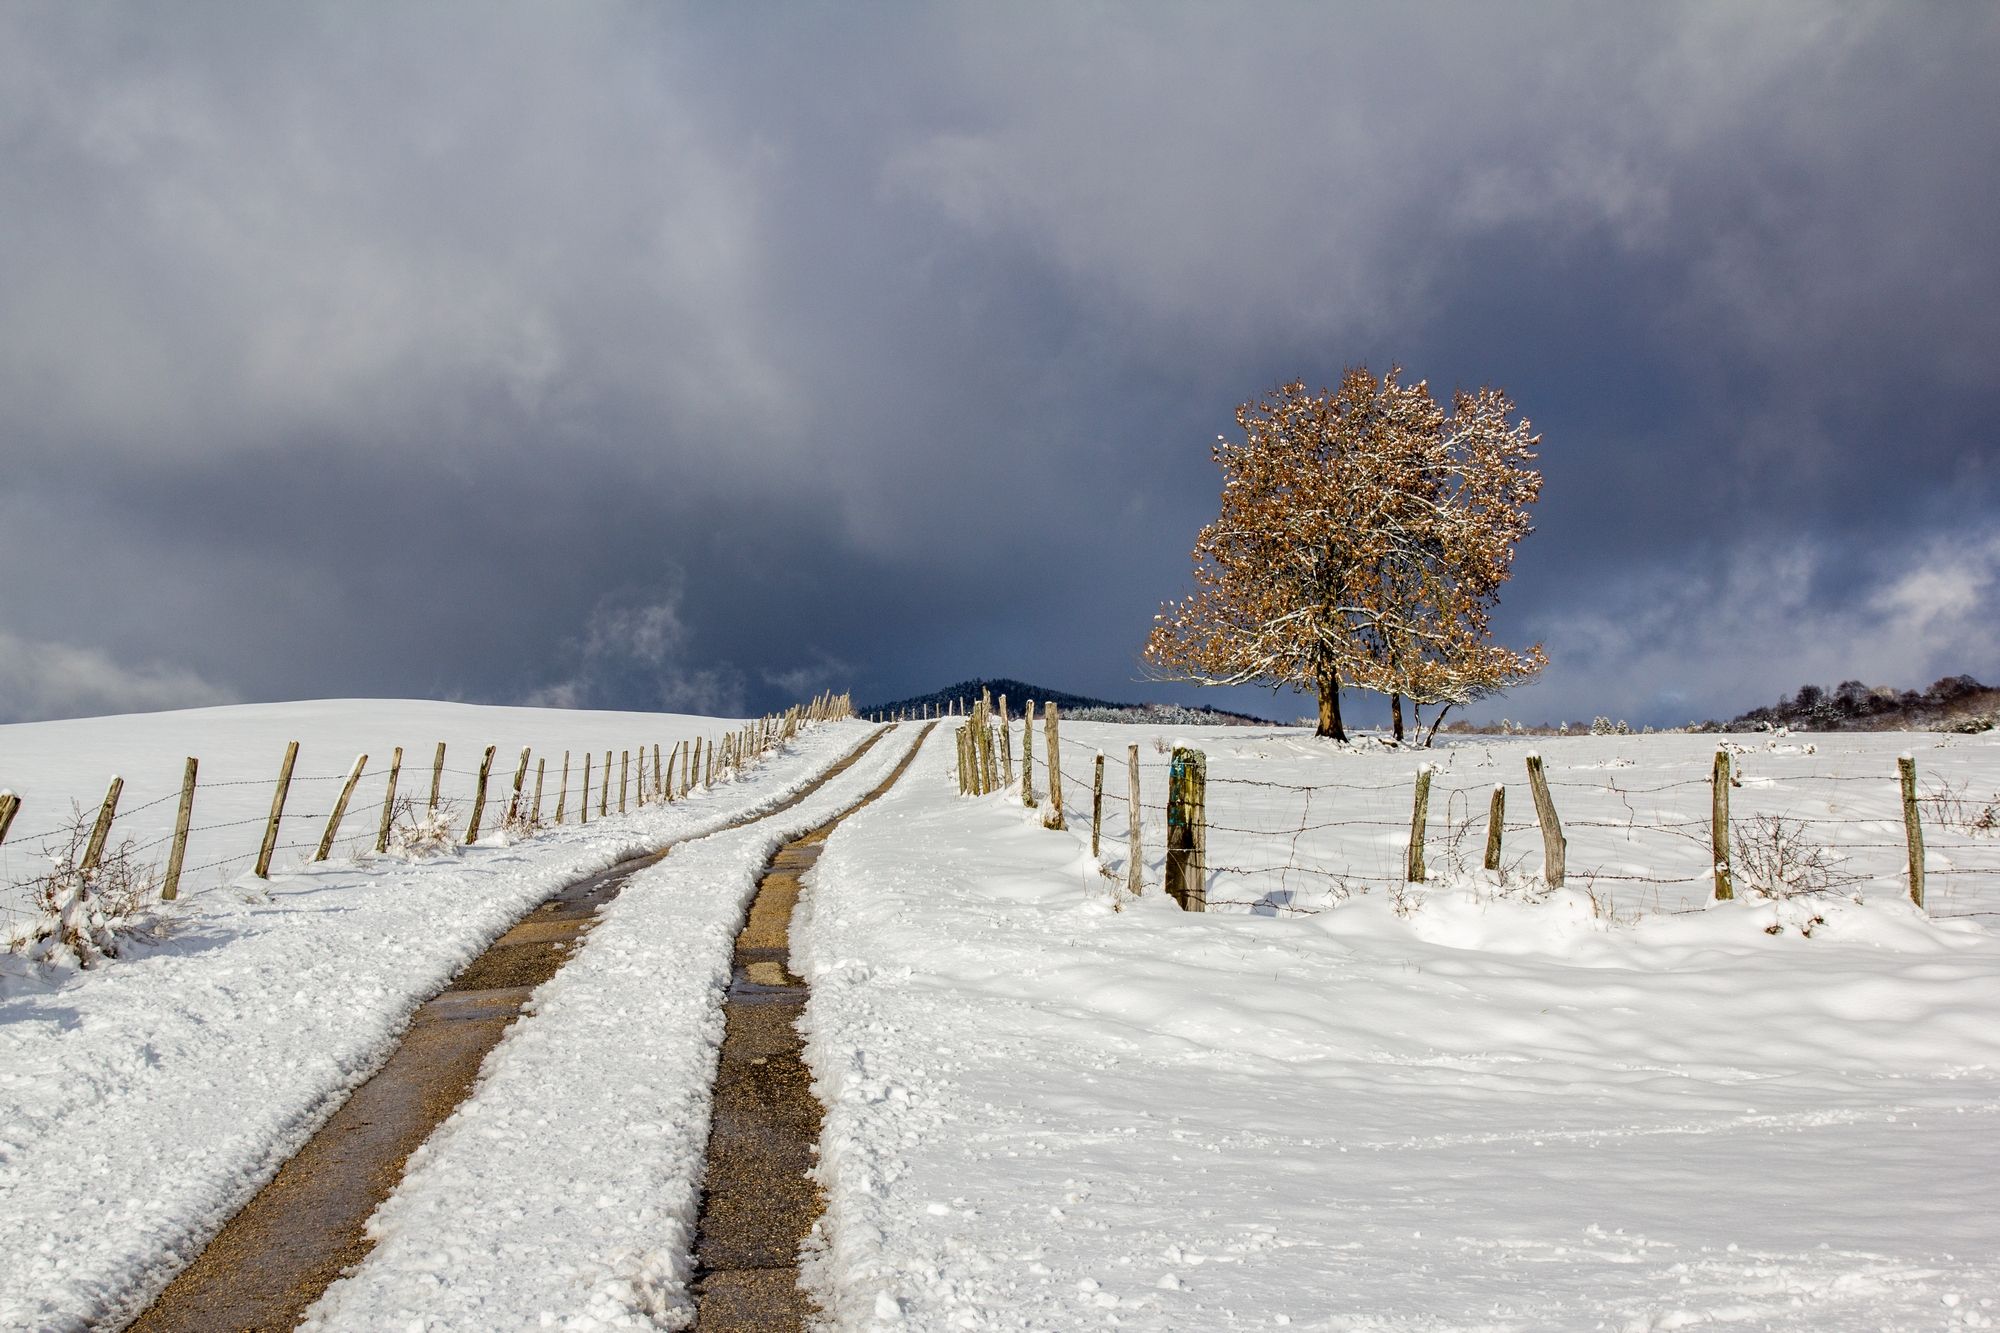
pixel 697 357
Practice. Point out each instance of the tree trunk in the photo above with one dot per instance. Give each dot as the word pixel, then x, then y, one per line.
pixel 1436 722
pixel 1396 714
pixel 1329 707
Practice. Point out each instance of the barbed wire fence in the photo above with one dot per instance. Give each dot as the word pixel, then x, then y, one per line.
pixel 1235 842
pixel 358 813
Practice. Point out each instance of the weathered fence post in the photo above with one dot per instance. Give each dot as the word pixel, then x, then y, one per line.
pixel 520 780
pixel 1133 878
pixel 437 774
pixel 535 814
pixel 964 787
pixel 479 796
pixel 659 783
pixel 270 843
pixel 10 805
pixel 604 790
pixel 624 773
pixel 1187 831
pixel 1553 847
pixel 1718 827
pixel 1413 863
pixel 1096 800
pixel 1028 755
pixel 562 792
pixel 339 809
pixel 1054 818
pixel 1913 828
pixel 389 801
pixel 1496 826
pixel 93 851
pixel 170 887
pixel 583 792
pixel 673 758
pixel 687 757
pixel 1006 747
pixel 640 777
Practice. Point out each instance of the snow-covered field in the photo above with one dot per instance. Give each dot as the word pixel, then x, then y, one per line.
pixel 1050 1109
pixel 143 1101
pixel 1333 1101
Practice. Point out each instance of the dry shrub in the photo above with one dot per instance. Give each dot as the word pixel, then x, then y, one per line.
pixel 84 912
pixel 1777 858
pixel 419 830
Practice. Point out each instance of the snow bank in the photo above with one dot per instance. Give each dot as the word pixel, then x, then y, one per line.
pixel 564 1191
pixel 1484 1113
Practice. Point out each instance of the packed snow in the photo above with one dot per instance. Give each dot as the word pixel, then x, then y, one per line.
pixel 143 1101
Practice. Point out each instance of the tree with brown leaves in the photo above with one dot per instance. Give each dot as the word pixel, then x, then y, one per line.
pixel 1363 538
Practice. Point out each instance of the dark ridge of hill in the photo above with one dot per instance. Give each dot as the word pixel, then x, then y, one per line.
pixel 1955 703
pixel 1082 707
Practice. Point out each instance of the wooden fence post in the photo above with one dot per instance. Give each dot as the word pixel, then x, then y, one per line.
pixel 479 796
pixel 583 792
pixel 1413 863
pixel 1718 827
pixel 1096 800
pixel 659 783
pixel 604 790
pixel 339 809
pixel 1913 828
pixel 1028 755
pixel 520 780
pixel 437 774
pixel 1187 829
pixel 1054 818
pixel 93 851
pixel 170 887
pixel 562 792
pixel 1496 826
pixel 1133 878
pixel 989 764
pixel 10 805
pixel 687 754
pixel 640 777
pixel 1553 847
pixel 624 766
pixel 389 801
pixel 535 814
pixel 673 757
pixel 1006 747
pixel 270 843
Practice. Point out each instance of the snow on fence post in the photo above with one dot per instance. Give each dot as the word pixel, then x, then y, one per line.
pixel 535 814
pixel 10 805
pixel 93 851
pixel 1133 880
pixel 340 809
pixel 1496 824
pixel 1187 829
pixel 389 800
pixel 437 774
pixel 1028 755
pixel 520 780
pixel 1718 827
pixel 270 843
pixel 479 796
pixel 604 790
pixel 1913 828
pixel 1053 818
pixel 583 792
pixel 1553 847
pixel 624 776
pixel 1096 800
pixel 1413 861
pixel 170 887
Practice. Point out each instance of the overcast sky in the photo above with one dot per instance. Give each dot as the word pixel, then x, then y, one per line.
pixel 705 356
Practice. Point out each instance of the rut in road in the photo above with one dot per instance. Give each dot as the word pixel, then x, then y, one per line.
pixel 757 1202
pixel 271 1261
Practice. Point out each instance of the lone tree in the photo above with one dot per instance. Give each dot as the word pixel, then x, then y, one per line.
pixel 1363 538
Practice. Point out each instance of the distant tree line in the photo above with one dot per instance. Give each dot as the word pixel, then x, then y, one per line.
pixel 1954 701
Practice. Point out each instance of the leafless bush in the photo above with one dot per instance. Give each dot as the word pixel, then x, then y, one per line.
pixel 1778 858
pixel 1950 805
pixel 84 912
pixel 419 830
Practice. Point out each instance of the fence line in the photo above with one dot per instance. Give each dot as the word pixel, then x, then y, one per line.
pixel 337 824
pixel 1246 809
